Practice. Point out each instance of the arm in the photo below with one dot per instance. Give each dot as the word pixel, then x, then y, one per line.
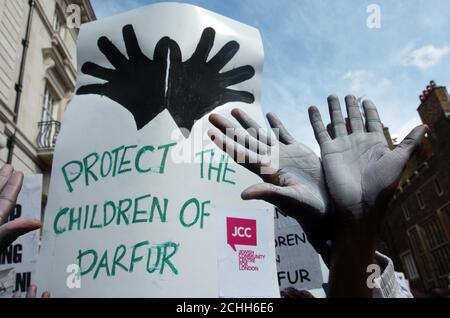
pixel 362 174
pixel 352 252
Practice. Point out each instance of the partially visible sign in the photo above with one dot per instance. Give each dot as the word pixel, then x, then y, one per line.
pixel 297 262
pixel 21 256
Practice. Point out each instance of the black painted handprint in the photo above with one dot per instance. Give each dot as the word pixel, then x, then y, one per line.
pixel 136 83
pixel 196 87
pixel 187 89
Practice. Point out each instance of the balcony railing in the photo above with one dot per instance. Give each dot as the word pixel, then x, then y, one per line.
pixel 48 131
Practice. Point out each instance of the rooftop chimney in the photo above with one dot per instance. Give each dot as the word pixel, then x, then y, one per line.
pixel 428 90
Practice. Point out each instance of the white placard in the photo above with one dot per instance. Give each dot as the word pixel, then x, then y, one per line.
pixel 127 204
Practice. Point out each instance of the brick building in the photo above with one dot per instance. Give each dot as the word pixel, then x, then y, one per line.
pixel 417 230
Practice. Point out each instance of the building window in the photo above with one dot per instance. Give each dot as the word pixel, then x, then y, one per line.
pixel 434 233
pixel 441 257
pixel 48 105
pixel 420 200
pixel 410 266
pixel 48 126
pixel 439 248
pixel 415 235
pixel 58 24
pixel 438 187
pixel 415 240
pixel 406 212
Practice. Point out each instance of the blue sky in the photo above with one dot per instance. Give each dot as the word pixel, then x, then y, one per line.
pixel 314 48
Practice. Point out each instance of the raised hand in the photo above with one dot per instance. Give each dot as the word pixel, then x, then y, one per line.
pixel 361 171
pixel 137 82
pixel 296 186
pixel 362 174
pixel 10 185
pixel 197 87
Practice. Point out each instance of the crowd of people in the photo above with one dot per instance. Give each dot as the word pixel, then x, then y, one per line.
pixel 339 199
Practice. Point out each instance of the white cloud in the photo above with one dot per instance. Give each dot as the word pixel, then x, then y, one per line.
pixel 423 57
pixel 401 132
pixel 362 82
pixel 397 111
pixel 356 80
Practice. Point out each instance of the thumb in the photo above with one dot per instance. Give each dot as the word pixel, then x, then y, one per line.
pixel 264 191
pixel 10 231
pixel 411 142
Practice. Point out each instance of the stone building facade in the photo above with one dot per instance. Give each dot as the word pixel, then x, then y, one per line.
pixel 37 78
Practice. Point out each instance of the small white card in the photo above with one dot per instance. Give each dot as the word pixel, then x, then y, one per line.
pixel 246 255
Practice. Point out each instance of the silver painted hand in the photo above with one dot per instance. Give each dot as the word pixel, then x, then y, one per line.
pixel 296 185
pixel 361 171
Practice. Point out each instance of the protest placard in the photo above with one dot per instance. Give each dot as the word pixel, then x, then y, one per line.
pixel 298 263
pixel 22 255
pixel 134 198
